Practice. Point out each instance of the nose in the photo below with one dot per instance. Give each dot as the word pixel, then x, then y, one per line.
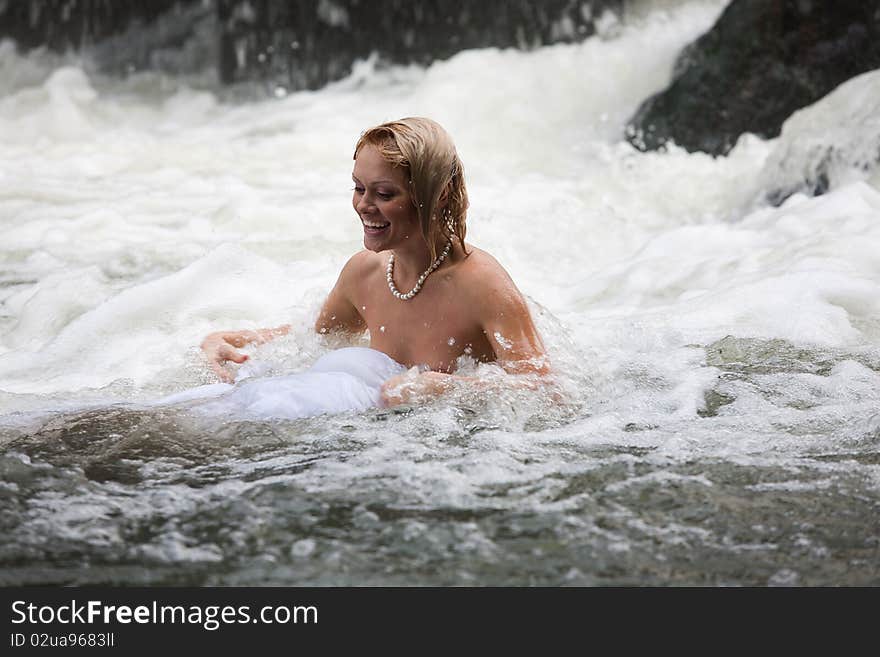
pixel 363 205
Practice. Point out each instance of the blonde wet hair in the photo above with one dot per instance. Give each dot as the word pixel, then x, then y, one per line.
pixel 435 172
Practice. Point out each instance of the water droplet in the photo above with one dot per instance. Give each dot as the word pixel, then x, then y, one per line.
pixel 302 548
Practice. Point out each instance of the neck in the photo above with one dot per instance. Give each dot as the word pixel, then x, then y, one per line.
pixel 406 296
pixel 411 260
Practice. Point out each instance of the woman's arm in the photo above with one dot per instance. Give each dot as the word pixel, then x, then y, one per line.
pixel 509 327
pixel 337 314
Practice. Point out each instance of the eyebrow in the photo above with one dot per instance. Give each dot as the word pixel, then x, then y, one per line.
pixel 376 182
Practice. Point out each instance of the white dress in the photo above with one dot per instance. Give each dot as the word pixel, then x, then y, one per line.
pixel 341 381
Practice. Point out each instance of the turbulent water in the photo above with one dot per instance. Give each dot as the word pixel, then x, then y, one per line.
pixel 721 356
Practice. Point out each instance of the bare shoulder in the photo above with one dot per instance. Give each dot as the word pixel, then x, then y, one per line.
pixel 484 275
pixel 340 309
pixel 360 265
pixel 487 286
pixel 363 261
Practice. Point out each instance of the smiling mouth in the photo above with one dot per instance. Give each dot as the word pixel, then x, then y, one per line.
pixel 374 227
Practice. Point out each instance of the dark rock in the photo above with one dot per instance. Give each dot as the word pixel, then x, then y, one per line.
pixel 306 44
pixel 294 44
pixel 762 60
pixel 63 25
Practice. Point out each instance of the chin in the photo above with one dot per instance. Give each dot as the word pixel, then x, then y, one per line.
pixel 374 245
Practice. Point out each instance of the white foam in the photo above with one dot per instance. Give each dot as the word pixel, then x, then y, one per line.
pixel 836 138
pixel 145 214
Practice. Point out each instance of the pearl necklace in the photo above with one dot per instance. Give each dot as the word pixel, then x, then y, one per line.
pixel 389 275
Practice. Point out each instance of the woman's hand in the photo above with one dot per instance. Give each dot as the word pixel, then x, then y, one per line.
pixel 413 386
pixel 220 348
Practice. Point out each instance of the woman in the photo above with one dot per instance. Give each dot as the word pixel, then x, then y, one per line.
pixel 426 297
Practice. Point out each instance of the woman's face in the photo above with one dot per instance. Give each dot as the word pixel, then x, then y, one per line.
pixel 383 202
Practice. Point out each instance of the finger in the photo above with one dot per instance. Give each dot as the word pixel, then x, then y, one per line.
pixel 235 340
pixel 394 382
pixel 208 344
pixel 228 353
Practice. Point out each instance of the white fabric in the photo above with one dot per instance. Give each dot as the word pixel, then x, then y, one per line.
pixel 344 380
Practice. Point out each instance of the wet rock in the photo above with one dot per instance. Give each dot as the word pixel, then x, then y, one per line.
pixel 713 400
pixel 63 25
pixel 289 45
pixel 306 44
pixel 756 356
pixel 762 60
